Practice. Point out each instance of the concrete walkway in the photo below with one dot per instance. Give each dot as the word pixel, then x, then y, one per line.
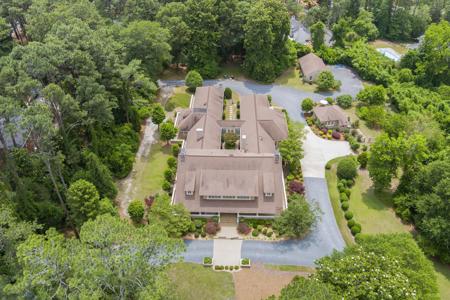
pixel 227 252
pixel 319 151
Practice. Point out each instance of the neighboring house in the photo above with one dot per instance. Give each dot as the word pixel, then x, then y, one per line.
pixel 245 181
pixel 331 116
pixel 311 66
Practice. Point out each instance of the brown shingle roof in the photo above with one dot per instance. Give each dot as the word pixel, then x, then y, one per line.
pixel 228 183
pixel 311 63
pixel 331 113
pixel 249 171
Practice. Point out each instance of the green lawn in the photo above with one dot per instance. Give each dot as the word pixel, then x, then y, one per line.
pixel 180 98
pixel 443 279
pixel 291 78
pixel 150 173
pixel 375 214
pixel 290 268
pixel 195 282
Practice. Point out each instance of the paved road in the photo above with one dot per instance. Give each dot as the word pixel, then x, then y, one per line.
pixel 196 250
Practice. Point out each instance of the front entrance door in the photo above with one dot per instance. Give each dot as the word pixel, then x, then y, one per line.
pixel 228 219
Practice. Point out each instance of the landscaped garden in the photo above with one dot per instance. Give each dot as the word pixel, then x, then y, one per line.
pixel 374 211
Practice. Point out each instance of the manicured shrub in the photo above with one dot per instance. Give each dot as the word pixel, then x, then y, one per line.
pixel 226 267
pixel 243 228
pixel 227 93
pixel 356 229
pixel 255 232
pixel 167 186
pixel 212 227
pixel 236 267
pixel 324 130
pixel 136 211
pixel 264 230
pixel 259 227
pixel 344 101
pixel 169 175
pixel 175 150
pixel 336 135
pixel 238 104
pixel 343 197
pixel 203 234
pixel 296 186
pixel 328 166
pixel 348 215
pixel 196 235
pixel 351 223
pixel 245 261
pixel 172 162
pixel 348 192
pixel 345 205
pixel 346 168
pixel 269 233
pixel 363 158
pixel 354 146
pixel 207 260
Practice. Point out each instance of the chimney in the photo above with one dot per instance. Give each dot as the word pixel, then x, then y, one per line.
pixel 199 133
pixel 244 142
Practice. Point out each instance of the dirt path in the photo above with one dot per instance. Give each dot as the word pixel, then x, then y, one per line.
pixel 127 186
pixel 259 282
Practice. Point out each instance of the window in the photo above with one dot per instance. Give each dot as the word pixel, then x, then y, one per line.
pixel 268 194
pixel 189 193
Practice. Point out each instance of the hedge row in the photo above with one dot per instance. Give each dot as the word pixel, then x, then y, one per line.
pixel 343 187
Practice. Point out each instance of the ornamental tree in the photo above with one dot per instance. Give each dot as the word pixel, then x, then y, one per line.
pixel 167 131
pixel 193 80
pixel 176 219
pixel 346 168
pixel 158 115
pixel 307 104
pixel 325 81
pixel 297 220
pixel 136 211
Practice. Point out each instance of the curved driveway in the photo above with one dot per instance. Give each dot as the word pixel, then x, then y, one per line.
pixel 325 236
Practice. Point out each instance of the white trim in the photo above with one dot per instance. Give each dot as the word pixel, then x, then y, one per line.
pixel 191 102
pixel 284 192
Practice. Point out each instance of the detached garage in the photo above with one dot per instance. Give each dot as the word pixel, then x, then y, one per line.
pixel 311 66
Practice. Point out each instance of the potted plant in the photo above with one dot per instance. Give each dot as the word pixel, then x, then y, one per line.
pixel 207 261
pixel 245 262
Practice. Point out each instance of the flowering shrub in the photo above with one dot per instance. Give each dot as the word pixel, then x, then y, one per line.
pixel 243 228
pixel 212 227
pixel 296 186
pixel 336 135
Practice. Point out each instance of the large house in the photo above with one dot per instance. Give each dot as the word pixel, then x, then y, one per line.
pixel 331 116
pixel 246 180
pixel 311 66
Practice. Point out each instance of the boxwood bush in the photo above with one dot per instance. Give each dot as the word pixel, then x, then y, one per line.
pixel 348 215
pixel 343 197
pixel 356 229
pixel 345 205
pixel 347 168
pixel 255 232
pixel 351 223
